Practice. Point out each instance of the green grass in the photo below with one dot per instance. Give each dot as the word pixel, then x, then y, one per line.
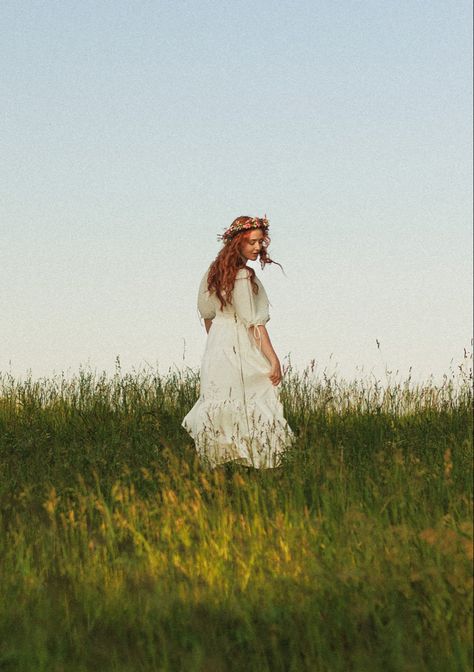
pixel 118 551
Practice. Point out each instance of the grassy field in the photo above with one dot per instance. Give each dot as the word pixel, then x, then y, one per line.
pixel 119 552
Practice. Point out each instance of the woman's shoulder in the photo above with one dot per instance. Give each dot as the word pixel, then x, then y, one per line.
pixel 204 278
pixel 244 273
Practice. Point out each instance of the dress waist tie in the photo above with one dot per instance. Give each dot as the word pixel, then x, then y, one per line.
pixel 256 333
pixel 258 336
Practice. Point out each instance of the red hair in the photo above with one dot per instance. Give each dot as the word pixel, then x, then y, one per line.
pixel 224 268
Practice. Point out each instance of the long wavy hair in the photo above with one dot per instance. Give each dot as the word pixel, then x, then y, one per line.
pixel 229 261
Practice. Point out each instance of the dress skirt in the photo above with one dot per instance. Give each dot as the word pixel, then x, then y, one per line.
pixel 238 416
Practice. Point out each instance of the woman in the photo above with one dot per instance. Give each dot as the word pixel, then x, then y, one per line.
pixel 238 416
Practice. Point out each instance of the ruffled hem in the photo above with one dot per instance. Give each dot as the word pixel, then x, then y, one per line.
pixel 255 434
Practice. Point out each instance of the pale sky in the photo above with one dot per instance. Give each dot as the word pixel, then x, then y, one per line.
pixel 132 133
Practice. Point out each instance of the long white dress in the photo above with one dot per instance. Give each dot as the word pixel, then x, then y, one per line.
pixel 238 415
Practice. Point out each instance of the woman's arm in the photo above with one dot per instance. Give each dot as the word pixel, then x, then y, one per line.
pixel 267 349
pixel 207 324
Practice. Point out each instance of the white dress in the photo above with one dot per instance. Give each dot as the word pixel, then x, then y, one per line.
pixel 238 415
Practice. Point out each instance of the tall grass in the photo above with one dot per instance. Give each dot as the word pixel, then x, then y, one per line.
pixel 118 551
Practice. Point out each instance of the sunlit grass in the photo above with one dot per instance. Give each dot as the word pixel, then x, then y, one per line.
pixel 120 552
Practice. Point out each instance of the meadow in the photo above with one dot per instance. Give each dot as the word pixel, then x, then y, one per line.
pixel 119 552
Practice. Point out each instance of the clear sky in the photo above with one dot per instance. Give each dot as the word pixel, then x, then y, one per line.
pixel 132 133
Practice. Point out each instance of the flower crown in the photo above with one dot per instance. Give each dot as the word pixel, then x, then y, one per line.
pixel 250 223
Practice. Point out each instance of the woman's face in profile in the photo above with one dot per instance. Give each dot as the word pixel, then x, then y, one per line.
pixel 251 246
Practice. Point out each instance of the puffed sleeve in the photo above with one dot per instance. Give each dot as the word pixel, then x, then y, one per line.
pixel 252 309
pixel 206 306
